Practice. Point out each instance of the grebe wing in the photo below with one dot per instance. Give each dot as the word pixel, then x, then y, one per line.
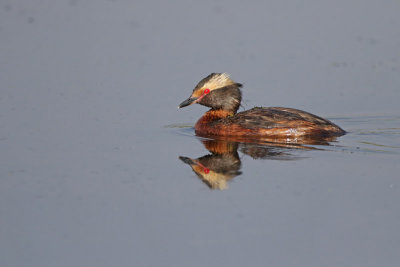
pixel 275 117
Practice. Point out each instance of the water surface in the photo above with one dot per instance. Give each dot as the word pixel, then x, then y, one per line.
pixel 92 147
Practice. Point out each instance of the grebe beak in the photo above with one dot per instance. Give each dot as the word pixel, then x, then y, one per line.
pixel 187 102
pixel 187 160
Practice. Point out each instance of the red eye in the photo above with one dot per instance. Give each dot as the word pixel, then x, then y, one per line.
pixel 206 171
pixel 206 91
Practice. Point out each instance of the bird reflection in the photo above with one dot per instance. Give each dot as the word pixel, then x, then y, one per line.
pixel 223 163
pixel 217 168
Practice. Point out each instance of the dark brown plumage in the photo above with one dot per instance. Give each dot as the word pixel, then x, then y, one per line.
pixel 223 96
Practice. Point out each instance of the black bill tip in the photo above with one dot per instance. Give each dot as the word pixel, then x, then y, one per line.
pixel 187 102
pixel 187 160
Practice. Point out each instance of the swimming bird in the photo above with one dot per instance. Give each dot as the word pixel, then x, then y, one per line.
pixel 223 96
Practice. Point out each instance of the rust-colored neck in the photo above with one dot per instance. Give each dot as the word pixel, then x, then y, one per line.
pixel 213 115
pixel 203 124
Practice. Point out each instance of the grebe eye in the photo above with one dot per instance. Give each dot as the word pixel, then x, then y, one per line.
pixel 206 91
pixel 206 171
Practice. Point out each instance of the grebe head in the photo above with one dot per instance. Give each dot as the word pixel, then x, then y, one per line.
pixel 216 91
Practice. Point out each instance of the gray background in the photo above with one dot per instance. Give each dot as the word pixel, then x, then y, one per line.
pixel 89 136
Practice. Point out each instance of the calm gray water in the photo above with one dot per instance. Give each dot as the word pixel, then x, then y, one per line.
pixel 91 139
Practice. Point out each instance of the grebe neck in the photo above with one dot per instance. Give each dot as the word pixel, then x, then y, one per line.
pixel 213 115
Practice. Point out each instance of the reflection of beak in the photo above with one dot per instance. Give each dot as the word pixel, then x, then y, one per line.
pixel 187 102
pixel 196 165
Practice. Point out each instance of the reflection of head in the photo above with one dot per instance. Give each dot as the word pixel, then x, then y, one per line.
pixel 215 169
